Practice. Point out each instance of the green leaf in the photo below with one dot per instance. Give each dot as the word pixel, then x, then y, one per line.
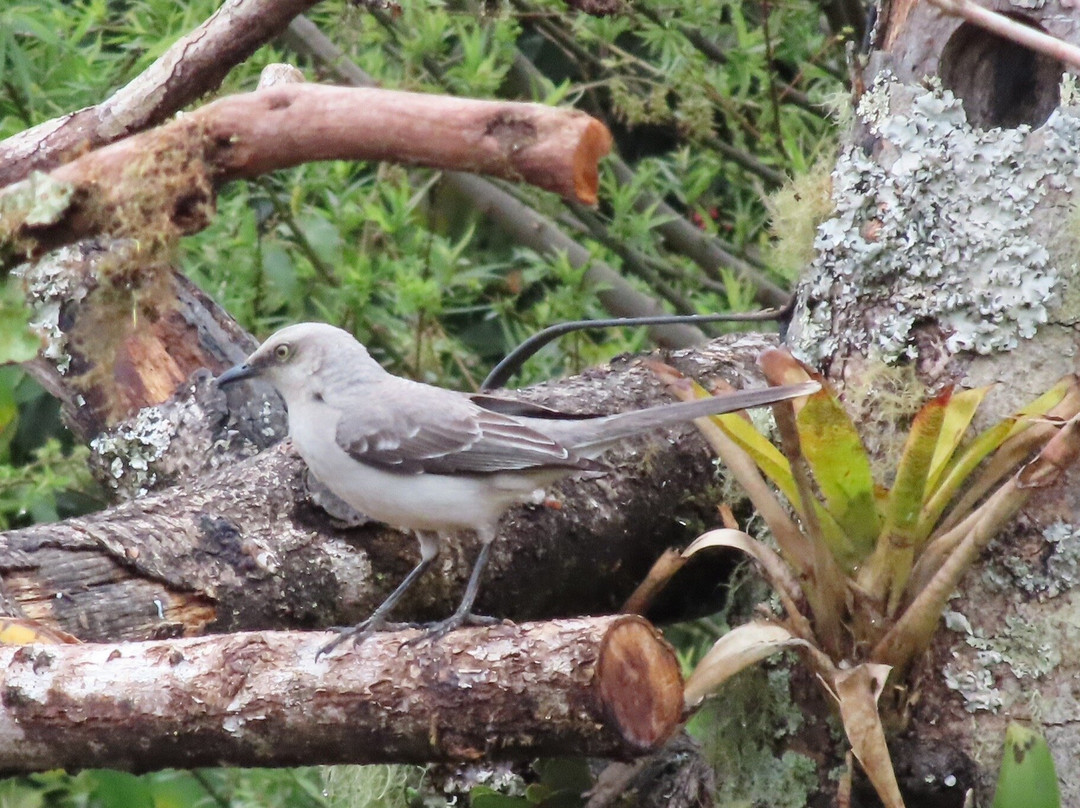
pixel 17 342
pixel 884 576
pixel 108 787
pixel 959 469
pixel 768 458
pixel 775 466
pixel 906 495
pixel 9 410
pixel 841 467
pixel 958 414
pixel 1027 778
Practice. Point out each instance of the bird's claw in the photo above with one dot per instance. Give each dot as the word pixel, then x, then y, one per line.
pixel 439 629
pixel 360 632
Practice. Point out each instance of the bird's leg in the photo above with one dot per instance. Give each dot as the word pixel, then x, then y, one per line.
pixel 429 550
pixel 463 615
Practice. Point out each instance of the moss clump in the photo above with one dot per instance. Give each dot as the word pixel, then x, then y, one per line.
pixel 742 733
pixel 796 211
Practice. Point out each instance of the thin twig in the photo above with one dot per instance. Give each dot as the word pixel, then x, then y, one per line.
pixel 774 98
pixel 1012 30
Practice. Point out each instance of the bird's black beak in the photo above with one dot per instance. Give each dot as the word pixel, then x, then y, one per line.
pixel 236 374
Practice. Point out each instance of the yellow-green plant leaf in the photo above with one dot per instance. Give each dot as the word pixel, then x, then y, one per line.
pixel 768 458
pixel 841 467
pixel 1066 385
pixel 884 575
pixel 1027 778
pixel 857 691
pixel 775 466
pixel 958 414
pixel 1011 440
pixel 18 343
pixel 932 588
pixel 740 648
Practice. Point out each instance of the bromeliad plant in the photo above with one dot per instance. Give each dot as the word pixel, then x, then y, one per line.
pixel 864 572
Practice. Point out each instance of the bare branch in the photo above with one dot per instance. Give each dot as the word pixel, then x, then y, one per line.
pixel 193 66
pixel 1012 30
pixel 607 687
pixel 161 181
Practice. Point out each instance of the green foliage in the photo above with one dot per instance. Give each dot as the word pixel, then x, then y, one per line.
pixel 17 341
pixel 204 788
pixel 42 475
pixel 1027 778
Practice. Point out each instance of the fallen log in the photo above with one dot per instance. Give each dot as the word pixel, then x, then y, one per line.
pixel 600 687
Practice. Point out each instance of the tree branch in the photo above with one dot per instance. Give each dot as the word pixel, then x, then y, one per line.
pixel 606 687
pixel 1012 30
pixel 161 182
pixel 193 66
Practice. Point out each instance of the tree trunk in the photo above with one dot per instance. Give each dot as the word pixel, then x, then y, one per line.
pixel 952 250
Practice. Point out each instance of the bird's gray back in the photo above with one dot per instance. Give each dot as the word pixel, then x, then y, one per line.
pixel 411 428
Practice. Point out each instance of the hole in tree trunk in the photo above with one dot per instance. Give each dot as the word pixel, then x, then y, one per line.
pixel 1002 84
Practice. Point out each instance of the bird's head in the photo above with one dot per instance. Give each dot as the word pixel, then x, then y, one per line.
pixel 303 359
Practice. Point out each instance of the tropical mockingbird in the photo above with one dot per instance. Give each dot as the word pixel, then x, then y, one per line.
pixel 431 460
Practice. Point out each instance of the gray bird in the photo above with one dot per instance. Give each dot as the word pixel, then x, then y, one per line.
pixel 430 460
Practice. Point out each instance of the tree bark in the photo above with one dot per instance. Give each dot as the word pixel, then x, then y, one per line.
pixel 607 687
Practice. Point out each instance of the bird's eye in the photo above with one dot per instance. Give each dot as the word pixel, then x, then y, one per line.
pixel 282 352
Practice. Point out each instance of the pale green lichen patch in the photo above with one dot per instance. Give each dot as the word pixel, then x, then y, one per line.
pixel 1023 648
pixel 977 686
pixel 1045 576
pixel 742 732
pixel 37 201
pixel 935 223
pixel 128 453
pixel 50 283
pixel 1069 92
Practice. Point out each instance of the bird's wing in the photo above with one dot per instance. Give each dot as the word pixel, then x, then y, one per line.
pixel 418 429
pixel 526 409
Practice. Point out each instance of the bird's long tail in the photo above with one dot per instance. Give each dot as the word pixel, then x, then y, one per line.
pixel 594 435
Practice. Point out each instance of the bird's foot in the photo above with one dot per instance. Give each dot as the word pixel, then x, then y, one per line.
pixel 361 631
pixel 440 628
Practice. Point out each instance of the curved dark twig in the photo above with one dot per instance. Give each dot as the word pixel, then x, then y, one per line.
pixel 512 362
